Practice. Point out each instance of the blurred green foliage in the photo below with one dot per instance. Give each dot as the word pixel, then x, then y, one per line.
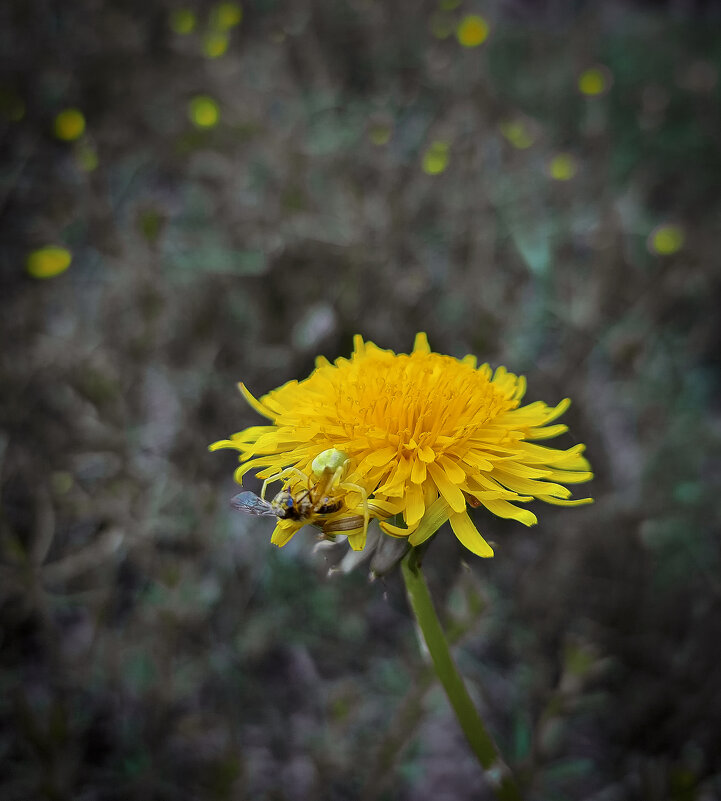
pixel 250 186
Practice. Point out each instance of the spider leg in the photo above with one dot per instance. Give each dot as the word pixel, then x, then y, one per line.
pixel 281 476
pixel 275 477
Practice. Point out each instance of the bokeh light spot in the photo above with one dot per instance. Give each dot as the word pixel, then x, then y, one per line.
pixel 666 239
pixel 227 15
pixel 562 167
pixel 449 5
pixel 441 25
pixel 215 44
pixel 86 157
pixel 48 262
pixel 203 111
pixel 472 31
pixel 183 21
pixel 594 81
pixel 69 124
pixel 517 133
pixel 380 134
pixel 435 159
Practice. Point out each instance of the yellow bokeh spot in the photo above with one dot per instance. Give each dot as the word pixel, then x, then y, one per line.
pixel 441 25
pixel 594 81
pixel 227 15
pixel 435 159
pixel 666 239
pixel 517 133
pixel 472 31
pixel 203 111
pixel 86 157
pixel 562 167
pixel 48 262
pixel 183 21
pixel 69 124
pixel 380 134
pixel 215 44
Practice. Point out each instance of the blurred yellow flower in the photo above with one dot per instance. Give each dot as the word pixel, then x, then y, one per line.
pixel 435 159
pixel 183 21
pixel 69 124
pixel 380 134
pixel 86 157
pixel 441 25
pixel 472 31
pixel 562 167
pixel 517 133
pixel 422 435
pixel 48 262
pixel 226 15
pixel 594 81
pixel 215 44
pixel 203 111
pixel 666 239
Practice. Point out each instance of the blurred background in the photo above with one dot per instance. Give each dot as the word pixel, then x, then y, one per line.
pixel 196 193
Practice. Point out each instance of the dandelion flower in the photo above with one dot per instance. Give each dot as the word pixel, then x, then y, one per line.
pixel 424 435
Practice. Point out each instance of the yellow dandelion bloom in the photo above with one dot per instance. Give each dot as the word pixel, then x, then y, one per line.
pixel 227 15
pixel 183 21
pixel 472 31
pixel 203 111
pixel 420 435
pixel 666 239
pixel 435 159
pixel 48 262
pixel 215 44
pixel 594 80
pixel 562 167
pixel 69 124
pixel 517 133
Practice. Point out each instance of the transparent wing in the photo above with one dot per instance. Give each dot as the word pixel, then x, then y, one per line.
pixel 252 504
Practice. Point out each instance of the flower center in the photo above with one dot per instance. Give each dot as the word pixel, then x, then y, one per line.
pixel 416 401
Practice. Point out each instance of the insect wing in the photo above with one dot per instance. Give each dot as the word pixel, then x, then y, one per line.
pixel 252 504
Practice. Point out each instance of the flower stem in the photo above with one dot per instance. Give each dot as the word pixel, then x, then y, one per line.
pixel 497 772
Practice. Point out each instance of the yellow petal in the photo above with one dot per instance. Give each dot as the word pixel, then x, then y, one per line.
pixel 418 473
pixel 284 530
pixel 357 541
pixel 381 457
pixel 223 443
pixel 396 531
pixel 254 403
pixel 547 432
pixel 571 477
pixel 435 516
pixel 455 473
pixel 415 505
pixel 378 506
pixel 469 536
pixel 563 502
pixel 508 510
pixel 448 490
pixel 421 343
pixel 426 453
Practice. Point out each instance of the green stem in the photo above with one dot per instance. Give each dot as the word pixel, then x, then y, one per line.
pixel 497 772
